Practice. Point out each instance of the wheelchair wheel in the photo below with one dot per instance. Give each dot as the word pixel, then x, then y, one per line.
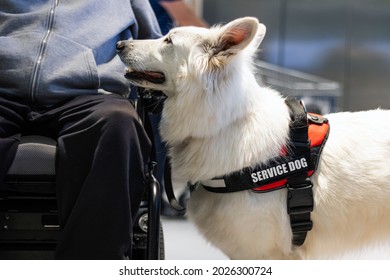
pixel 162 245
pixel 139 247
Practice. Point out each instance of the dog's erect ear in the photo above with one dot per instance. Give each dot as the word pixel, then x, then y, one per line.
pixel 234 37
pixel 238 34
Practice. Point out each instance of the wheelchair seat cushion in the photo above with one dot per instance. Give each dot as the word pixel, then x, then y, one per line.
pixel 35 156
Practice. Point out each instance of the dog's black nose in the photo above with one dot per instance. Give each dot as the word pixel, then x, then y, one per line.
pixel 120 46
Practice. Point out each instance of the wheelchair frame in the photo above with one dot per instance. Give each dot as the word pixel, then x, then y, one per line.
pixel 29 226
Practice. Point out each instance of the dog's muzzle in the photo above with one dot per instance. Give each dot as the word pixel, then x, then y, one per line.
pixel 133 74
pixel 120 46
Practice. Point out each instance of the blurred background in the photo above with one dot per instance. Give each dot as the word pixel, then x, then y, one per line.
pixel 347 41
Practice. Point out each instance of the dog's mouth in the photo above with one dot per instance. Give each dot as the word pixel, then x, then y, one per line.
pixel 150 76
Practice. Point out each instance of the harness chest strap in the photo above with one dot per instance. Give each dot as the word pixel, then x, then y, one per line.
pixel 291 170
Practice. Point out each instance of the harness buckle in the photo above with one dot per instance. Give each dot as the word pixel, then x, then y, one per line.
pixel 300 198
pixel 299 206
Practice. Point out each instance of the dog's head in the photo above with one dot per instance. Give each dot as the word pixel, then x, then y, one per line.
pixel 187 55
pixel 200 70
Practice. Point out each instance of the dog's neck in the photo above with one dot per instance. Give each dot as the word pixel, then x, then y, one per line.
pixel 257 134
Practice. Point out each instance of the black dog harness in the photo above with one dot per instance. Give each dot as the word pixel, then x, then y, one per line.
pixel 291 170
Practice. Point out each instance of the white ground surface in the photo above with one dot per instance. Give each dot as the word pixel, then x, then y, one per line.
pixel 183 242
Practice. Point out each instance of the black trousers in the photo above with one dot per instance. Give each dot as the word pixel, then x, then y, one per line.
pixel 102 151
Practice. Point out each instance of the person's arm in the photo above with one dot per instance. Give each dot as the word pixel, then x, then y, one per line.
pixel 182 14
pixel 147 25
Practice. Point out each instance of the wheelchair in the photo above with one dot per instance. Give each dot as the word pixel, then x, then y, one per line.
pixel 29 224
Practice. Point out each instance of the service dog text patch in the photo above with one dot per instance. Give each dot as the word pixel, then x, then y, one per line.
pixel 262 177
pixel 279 170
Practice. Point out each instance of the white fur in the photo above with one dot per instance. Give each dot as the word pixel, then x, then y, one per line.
pixel 217 119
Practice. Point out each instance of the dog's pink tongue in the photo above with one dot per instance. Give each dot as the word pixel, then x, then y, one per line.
pixel 155 75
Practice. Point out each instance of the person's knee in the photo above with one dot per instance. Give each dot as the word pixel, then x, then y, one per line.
pixel 121 120
pixel 117 112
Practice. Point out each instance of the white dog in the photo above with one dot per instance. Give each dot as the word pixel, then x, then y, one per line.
pixel 217 120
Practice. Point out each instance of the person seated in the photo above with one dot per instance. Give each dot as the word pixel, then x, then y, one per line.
pixel 60 77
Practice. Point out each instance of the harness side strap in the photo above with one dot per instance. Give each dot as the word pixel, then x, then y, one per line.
pixel 300 189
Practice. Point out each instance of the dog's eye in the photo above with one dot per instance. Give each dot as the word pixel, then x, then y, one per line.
pixel 168 40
